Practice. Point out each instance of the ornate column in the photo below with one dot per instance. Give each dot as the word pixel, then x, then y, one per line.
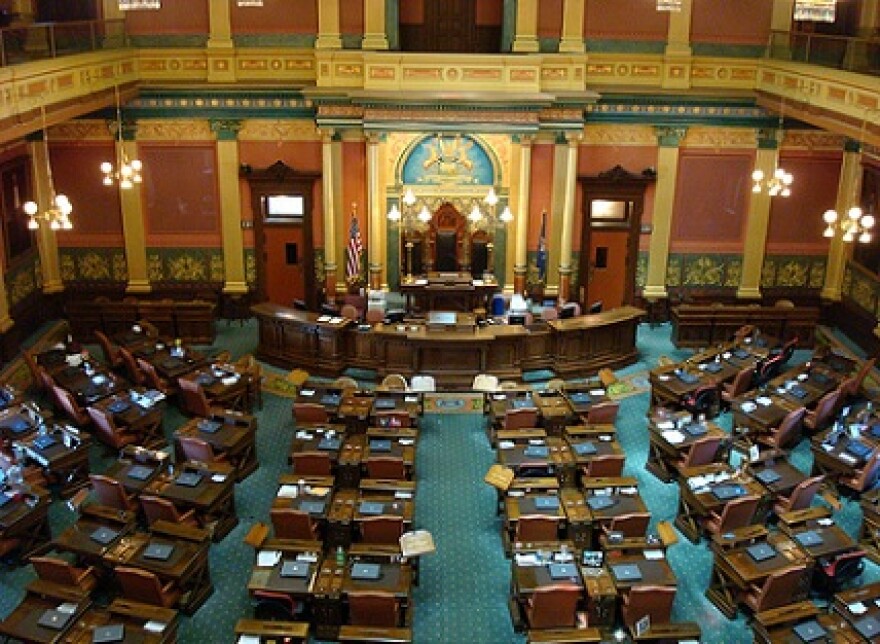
pixel 220 47
pixel 329 36
pixel 568 205
pixel 758 219
pixel 47 240
pixel 780 21
pixel 375 213
pixel 230 204
pixel 525 38
pixel 572 41
pixel 521 261
pixel 329 198
pixel 374 25
pixel 849 188
pixel 677 56
pixel 133 228
pixel 668 140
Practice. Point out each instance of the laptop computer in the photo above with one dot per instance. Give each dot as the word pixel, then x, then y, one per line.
pixel 210 426
pixel 366 571
pixel 522 403
pixel 54 619
pixel 108 633
pixel 158 551
pixel 808 538
pixel 585 449
pixel 858 449
pixel 809 631
pixel 768 476
pixel 563 571
pixel 725 492
pixel 312 507
pixel 580 397
pixel 44 442
pixel 294 569
pixel 695 429
pixel 869 627
pixel 385 403
pixel 205 379
pixel 547 502
pixel 380 445
pixel 330 444
pixel 104 535
pixel 761 551
pixel 139 472
pixel 687 378
pixel 189 479
pixel 371 507
pixel 713 367
pixel 600 502
pixel 740 354
pixel 537 451
pixel 118 406
pixel 799 392
pixel 17 425
pixel 626 572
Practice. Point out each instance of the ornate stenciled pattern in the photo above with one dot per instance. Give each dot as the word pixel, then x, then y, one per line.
pixel 320 267
pixel 793 271
pixel 23 280
pixel 813 140
pixel 642 269
pixel 93 265
pixel 619 135
pixel 862 288
pixel 185 264
pixel 673 270
pixel 217 269
pixel 175 130
pixel 81 130
pixel 250 266
pixel 703 270
pixel 719 137
pixel 278 130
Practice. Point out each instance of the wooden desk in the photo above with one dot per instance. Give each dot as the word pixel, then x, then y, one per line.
pixel 88 384
pixel 328 396
pixel 667 444
pixel 133 616
pixel 553 458
pixel 144 419
pixel 26 518
pixel 590 342
pixel 224 386
pixel 233 438
pixel 387 402
pixel 581 398
pixel 554 410
pixel 66 460
pixel 121 471
pixel 835 460
pixel 454 292
pixel 171 363
pixel 777 626
pixel 700 325
pixel 23 622
pixel 789 476
pixel 864 595
pixel 77 539
pixel 293 632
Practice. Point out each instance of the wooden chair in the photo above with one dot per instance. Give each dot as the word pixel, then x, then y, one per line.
pixel 702 452
pixel 801 496
pixel 520 418
pixel 373 608
pixel 787 433
pixel 111 493
pixel 737 513
pixel 312 463
pixel 820 417
pixel 107 432
pixel 67 403
pixel 742 382
pixel 63 573
pixel 305 413
pixel 865 477
pixel 531 528
pixel 650 601
pixel 780 588
pixel 630 525
pixel 386 467
pixel 111 353
pixel 196 449
pixel 132 370
pixel 156 508
pixel 383 529
pixel 289 523
pixel 144 586
pixel 553 606
pixel 605 465
pixel 604 413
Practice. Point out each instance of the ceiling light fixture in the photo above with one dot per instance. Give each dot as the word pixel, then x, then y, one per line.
pixel 57 213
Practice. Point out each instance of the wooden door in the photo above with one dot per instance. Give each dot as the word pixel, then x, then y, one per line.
pixel 283 250
pixel 607 275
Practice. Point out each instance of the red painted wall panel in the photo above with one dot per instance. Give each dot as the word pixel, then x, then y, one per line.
pixel 276 16
pixel 550 19
pixel 638 19
pixel 190 17
pixel 540 191
pixel 351 16
pixel 722 21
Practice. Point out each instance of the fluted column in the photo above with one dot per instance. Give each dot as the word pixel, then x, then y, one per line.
pixel 374 25
pixel 47 240
pixel 375 213
pixel 230 205
pixel 572 41
pixel 329 35
pixel 849 189
pixel 521 259
pixel 526 37
pixel 668 141
pixel 766 160
pixel 329 198
pixel 677 56
pixel 568 205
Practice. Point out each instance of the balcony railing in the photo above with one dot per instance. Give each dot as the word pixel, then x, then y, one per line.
pixel 43 40
pixel 848 53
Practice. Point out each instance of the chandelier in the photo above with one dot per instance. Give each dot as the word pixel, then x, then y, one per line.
pixel 128 171
pixel 57 213
pixel 135 5
pixel 669 5
pixel 410 220
pixel 856 225
pixel 491 200
pixel 815 10
pixel 778 185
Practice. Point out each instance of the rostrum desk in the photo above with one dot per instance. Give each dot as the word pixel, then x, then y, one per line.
pixel 570 347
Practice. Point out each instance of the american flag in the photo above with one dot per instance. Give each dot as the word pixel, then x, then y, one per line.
pixel 541 260
pixel 353 251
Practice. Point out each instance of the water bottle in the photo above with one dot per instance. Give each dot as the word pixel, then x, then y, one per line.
pixel 340 557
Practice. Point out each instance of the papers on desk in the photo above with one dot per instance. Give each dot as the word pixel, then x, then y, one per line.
pixel 506 444
pixel 248 639
pixel 664 377
pixel 411 399
pixel 605 438
pixel 499 396
pixel 406 441
pixel 421 282
pixel 402 494
pixel 849 458
pixel 654 554
pixel 825 522
pixel 748 406
pixel 336 320
pixel 229 380
pixel 673 436
pixel 597 392
pixel 307 392
pixel 417 542
pixel 304 435
pixel 536 441
pixel 666 424
pixel 154 626
pixel 287 492
pixel 317 491
pixel 308 557
pixel 218 478
pixel 803 376
pixel 857 608
pixel 628 491
pixel 324 318
pixel 67 608
pixel 268 558
pixel 764 401
pixel 477 282
pixel 528 559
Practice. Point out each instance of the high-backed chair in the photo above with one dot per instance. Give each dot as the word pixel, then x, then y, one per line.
pixel 520 418
pixel 111 353
pixel 823 414
pixel 349 312
pixel 111 493
pixel 630 525
pixel 192 399
pixel 309 413
pixel 741 383
pixel 650 601
pixel 315 463
pixel 737 513
pixel 702 452
pixel 132 370
pixel 384 529
pixel 787 433
pixel 801 497
pixel 866 477
pixel 61 572
pixel 768 369
pixel 289 523
pixel 67 403
pixel 536 527
pixel 152 378
pixel 780 588
pixel 393 382
pixel 553 606
pixel 144 586
pixel 373 608
pixel 704 400
pixel 604 465
pixel 156 508
pixel 33 368
pixel 485 382
pixel 423 383
pixel 604 413
pixel 106 430
pixel 840 570
pixel 386 467
pixel 196 449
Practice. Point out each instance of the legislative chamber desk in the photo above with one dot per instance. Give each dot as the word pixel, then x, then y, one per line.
pixel 702 325
pixel 455 291
pixel 453 356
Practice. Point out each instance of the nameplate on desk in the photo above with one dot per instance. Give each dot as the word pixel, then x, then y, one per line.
pixel 366 571
pixel 139 472
pixel 371 507
pixel 189 479
pixel 312 507
pixel 158 551
pixel 109 633
pixel 298 569
pixel 103 536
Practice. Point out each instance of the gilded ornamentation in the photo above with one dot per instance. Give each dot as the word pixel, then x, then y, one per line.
pixel 67 266
pixel 733 273
pixel 175 130
pixel 154 267
pixel 703 270
pixel 81 130
pixel 278 130
pixel 817 273
pixel 720 137
pixel 813 140
pixel 119 267
pixel 187 268
pixel 768 272
pixel 250 266
pixel 619 135
pixel 863 292
pixel 218 273
pixel 792 273
pixel 94 267
pixel 673 271
pixel 21 284
pixel 642 269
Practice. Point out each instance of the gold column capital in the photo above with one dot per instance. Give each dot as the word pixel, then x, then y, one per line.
pixel 670 136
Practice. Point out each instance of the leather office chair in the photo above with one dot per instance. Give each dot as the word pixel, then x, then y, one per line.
pixel 742 382
pixel 702 452
pixel 520 418
pixel 309 413
pixel 703 400
pixel 742 333
pixel 111 354
pixel 150 330
pixel 196 449
pixel 787 433
pixel 768 369
pixel 823 414
pixel 63 573
pixel 605 465
pixel 373 608
pixel 34 369
pixel 345 382
pixel 156 508
pixel 604 413
pixel 859 379
pixel 780 588
pixel 788 349
pixel 835 573
pixel 737 513
pixel 393 382
pixel 374 316
pixel 553 606
pixel 393 419
pixel 646 600
pixel 801 496
pixel 382 529
pixel 193 400
pixel 111 493
pixel 144 586
pixel 312 464
pixel 67 403
pixel 549 313
pixel 289 523
pixel 865 477
pixel 531 528
pixel 253 372
pixel 386 467
pixel 275 606
pixel 630 525
pixel 134 373
pixel 152 378
pixel 107 431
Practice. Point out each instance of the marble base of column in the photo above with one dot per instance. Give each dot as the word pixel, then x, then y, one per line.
pixel 138 286
pixel 235 288
pixel 654 292
pixel 831 294
pixel 519 279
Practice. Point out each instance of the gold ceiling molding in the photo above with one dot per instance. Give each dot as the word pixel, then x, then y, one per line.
pixel 278 130
pixel 150 130
pixel 812 140
pixel 81 130
pixel 605 134
pixel 720 137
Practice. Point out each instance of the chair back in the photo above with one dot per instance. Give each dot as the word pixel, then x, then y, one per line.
pixel 604 413
pixel 156 508
pixel 349 312
pixel 393 419
pixel 572 309
pixel 536 527
pixel 131 367
pixel 770 368
pixel 825 409
pixel 743 332
pixel 196 449
pixel 742 382
pixel 554 606
pixel 422 382
pixel 393 382
pixel 140 585
pixel 866 367
pixel 654 602
pixel 312 464
pixel 485 382
pixel 386 467
pixel 703 451
pixel 152 378
pixel 382 529
pixel 109 492
pixel 738 513
pixel 111 357
pixel 289 523
pixel 843 568
pixel 868 475
pixel 33 367
pixel 310 413
pixel 549 313
pixel 781 588
pixel 106 430
pixel 704 400
pixel 788 350
pixel 789 430
pixel 345 382
pixel 631 525
pixel 65 400
pixel 606 465
pixel 372 608
pixel 192 398
pixel 57 571
pixel 520 418
pixel 801 496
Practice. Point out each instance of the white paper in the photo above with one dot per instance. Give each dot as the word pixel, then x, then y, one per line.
pixel 673 436
pixel 324 318
pixel 536 441
pixel 654 554
pixel 802 377
pixel 402 494
pixel 67 608
pixel 748 406
pixel 825 522
pixel 527 559
pixel 406 441
pixel 411 399
pixel 309 557
pixel 218 478
pixel 230 380
pixel 849 458
pixel 336 320
pixel 763 400
pixel 666 424
pixel 506 444
pixel 857 608
pixel 597 392
pixel 153 626
pixel 605 438
pixel 268 558
pixel 248 639
pixel 287 492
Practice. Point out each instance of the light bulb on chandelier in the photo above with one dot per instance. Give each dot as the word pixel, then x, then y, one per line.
pixel 128 171
pixel 57 214
pixel 855 226
pixel 778 185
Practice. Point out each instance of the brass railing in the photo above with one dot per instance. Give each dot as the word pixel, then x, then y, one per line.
pixel 43 40
pixel 848 53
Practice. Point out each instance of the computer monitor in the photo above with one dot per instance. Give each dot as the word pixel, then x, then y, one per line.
pixel 567 311
pixel 516 318
pixel 394 316
pixel 596 307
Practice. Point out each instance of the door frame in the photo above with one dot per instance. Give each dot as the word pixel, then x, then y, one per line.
pixel 279 178
pixel 616 184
